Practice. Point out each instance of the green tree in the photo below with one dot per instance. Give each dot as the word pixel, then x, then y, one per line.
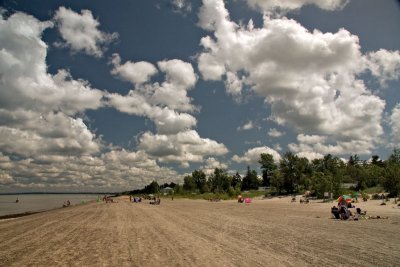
pixel 293 169
pixel 394 158
pixel 391 179
pixel 268 166
pixel 189 184
pixel 373 174
pixel 219 181
pixel 321 183
pixel 375 160
pixel 236 180
pixel 277 181
pixel 152 188
pixel 356 172
pixel 250 181
pixel 200 179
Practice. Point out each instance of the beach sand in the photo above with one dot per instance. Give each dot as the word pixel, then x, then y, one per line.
pixel 267 232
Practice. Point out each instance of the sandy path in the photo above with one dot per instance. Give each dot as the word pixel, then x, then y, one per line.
pixel 198 233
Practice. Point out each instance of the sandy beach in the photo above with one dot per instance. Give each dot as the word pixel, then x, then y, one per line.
pixel 267 232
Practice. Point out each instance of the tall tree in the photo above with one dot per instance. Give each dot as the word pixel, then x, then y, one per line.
pixel 152 188
pixel 289 167
pixel 250 181
pixel 200 179
pixel 395 156
pixel 219 181
pixel 236 180
pixel 268 166
pixel 189 184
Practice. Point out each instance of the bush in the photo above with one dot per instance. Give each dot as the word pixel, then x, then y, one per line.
pixel 376 196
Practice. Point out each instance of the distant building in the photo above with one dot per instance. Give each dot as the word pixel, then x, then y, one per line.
pixel 167 190
pixel 349 185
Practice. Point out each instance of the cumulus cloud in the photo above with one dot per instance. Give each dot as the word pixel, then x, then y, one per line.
pixel 136 73
pixel 80 32
pixel 166 104
pixel 309 79
pixel 39 110
pixel 252 156
pixel 211 164
pixel 45 142
pixel 384 64
pixel 273 132
pixel 181 6
pixel 394 122
pixel 182 147
pixel 287 5
pixel 247 126
pixel 172 93
pixel 310 155
pixel 115 170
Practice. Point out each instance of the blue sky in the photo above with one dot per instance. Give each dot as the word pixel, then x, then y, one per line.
pixel 100 95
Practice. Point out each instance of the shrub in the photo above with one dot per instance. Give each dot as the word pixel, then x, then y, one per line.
pixel 376 196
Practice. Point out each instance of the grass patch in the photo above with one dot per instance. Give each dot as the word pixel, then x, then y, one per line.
pixel 374 190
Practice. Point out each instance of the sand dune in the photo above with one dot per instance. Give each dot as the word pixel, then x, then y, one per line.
pixel 270 232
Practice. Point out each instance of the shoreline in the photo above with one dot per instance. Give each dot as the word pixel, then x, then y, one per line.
pixel 17 215
pixel 38 204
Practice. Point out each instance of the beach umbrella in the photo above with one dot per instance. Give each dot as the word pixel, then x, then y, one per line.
pixel 346 198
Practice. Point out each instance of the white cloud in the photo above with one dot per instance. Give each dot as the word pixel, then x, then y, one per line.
pixel 182 147
pixel 166 105
pixel 384 64
pixel 273 132
pixel 233 84
pixel 252 156
pixel 166 120
pixel 247 126
pixel 136 73
pixel 116 170
pixel 310 155
pixel 172 93
pixel 394 122
pixel 211 164
pixel 181 6
pixel 308 78
pixel 81 33
pixel 45 142
pixel 287 5
pixel 39 111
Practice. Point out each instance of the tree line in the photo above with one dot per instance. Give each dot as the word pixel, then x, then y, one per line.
pixel 293 174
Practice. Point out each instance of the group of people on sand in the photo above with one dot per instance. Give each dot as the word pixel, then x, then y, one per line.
pixel 135 199
pixel 108 199
pixel 154 200
pixel 342 211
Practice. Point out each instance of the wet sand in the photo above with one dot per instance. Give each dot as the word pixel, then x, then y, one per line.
pixel 269 232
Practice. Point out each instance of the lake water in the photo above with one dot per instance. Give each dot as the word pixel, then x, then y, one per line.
pixel 40 202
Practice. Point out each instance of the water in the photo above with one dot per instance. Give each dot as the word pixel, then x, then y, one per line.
pixel 39 202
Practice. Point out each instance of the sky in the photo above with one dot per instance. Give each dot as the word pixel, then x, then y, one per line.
pixel 110 95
